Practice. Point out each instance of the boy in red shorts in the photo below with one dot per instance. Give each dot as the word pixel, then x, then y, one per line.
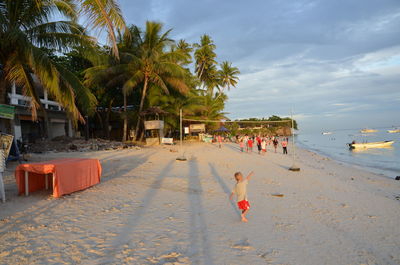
pixel 240 190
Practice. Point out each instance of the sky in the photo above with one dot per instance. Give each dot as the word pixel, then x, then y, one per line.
pixel 335 63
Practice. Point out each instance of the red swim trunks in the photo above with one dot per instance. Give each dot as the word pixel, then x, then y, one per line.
pixel 244 205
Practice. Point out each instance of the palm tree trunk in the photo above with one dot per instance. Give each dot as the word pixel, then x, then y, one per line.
pixel 141 106
pixel 125 120
pixel 107 121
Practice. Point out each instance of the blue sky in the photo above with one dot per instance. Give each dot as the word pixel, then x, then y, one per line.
pixel 336 63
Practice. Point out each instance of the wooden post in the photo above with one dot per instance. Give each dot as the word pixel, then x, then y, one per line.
pixel 2 169
pixel 181 157
pixel 293 167
pixel 3 193
pixel 26 183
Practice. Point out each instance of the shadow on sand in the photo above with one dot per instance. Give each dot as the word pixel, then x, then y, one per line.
pixel 134 218
pixel 199 238
pixel 223 186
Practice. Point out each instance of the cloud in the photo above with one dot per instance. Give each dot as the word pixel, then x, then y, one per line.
pixel 335 62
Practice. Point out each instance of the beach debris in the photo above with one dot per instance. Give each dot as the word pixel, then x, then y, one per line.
pixel 242 244
pixel 277 195
pixel 397 178
pixel 68 144
pixel 170 258
pixel 269 255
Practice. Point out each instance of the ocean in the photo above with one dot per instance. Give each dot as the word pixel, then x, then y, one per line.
pixel 385 161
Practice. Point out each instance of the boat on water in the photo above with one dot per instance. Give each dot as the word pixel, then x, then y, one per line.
pixel 394 131
pixel 368 131
pixel 382 144
pixel 326 133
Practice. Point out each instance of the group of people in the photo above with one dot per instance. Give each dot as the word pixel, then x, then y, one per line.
pixel 247 142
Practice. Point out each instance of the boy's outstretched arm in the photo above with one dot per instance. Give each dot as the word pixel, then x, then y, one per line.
pixel 249 175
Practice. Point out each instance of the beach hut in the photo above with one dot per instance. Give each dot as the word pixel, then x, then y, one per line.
pixel 154 127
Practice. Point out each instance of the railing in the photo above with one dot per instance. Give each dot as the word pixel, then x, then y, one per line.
pixel 21 100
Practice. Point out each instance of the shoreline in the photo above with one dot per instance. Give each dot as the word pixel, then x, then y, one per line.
pixel 151 209
pixel 378 171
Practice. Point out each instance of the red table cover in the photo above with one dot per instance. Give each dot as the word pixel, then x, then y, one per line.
pixel 71 174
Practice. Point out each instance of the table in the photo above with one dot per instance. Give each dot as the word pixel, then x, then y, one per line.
pixel 67 175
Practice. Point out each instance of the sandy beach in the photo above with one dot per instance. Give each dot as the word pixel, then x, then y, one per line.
pixel 151 209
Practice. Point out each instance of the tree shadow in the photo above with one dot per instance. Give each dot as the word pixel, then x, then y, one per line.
pixel 39 196
pixel 122 169
pixel 136 216
pixel 199 238
pixel 223 186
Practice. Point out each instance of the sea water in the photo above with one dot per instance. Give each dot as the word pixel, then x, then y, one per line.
pixel 384 161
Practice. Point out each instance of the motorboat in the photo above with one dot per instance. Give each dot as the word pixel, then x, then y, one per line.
pixel 382 144
pixel 326 133
pixel 368 131
pixel 394 131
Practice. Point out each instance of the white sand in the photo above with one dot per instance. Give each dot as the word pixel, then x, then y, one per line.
pixel 151 209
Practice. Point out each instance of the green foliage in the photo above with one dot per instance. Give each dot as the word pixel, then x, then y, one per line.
pixel 25 29
pixel 139 68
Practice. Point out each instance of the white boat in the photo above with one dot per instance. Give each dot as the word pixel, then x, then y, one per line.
pixel 381 144
pixel 394 131
pixel 368 131
pixel 326 133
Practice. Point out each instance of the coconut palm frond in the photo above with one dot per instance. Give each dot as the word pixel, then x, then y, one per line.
pixel 104 14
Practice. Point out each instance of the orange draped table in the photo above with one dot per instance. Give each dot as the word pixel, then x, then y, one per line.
pixel 68 175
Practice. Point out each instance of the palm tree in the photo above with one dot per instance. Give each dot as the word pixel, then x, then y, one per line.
pixel 104 14
pixel 25 28
pixel 205 63
pixel 228 75
pixel 148 64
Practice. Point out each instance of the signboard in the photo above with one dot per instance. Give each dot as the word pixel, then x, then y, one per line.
pixel 197 127
pixel 7 111
pixel 5 143
pixel 154 125
pixel 186 130
pixel 167 140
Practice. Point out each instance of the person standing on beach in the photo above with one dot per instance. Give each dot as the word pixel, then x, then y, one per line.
pixel 284 144
pixel 258 141
pixel 219 140
pixel 263 146
pixel 241 144
pixel 250 145
pixel 275 143
pixel 246 142
pixel 240 190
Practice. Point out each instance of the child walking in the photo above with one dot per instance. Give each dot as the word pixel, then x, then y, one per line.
pixel 240 190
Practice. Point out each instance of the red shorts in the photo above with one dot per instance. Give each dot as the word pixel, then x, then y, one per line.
pixel 244 205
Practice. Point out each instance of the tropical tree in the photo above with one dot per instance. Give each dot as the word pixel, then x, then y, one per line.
pixel 25 28
pixel 147 64
pixel 228 75
pixel 205 62
pixel 104 14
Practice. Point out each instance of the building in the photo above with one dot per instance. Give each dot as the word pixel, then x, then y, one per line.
pixel 49 124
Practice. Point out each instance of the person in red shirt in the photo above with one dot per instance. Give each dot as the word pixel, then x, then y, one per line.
pixel 258 141
pixel 284 144
pixel 250 145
